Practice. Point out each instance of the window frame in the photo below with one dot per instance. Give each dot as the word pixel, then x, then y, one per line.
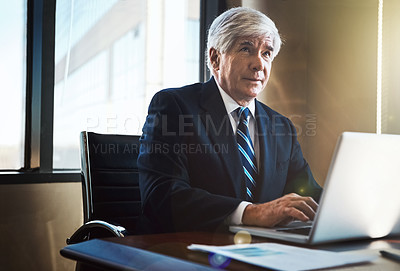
pixel 39 116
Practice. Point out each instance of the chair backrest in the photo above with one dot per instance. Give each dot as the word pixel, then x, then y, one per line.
pixel 110 179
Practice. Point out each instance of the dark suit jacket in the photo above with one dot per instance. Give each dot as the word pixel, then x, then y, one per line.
pixel 190 172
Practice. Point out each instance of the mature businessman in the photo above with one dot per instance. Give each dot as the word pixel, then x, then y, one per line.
pixel 211 154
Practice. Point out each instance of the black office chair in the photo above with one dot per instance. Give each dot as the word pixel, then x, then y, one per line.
pixel 110 186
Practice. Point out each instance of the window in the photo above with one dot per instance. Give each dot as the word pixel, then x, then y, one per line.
pixel 390 66
pixel 110 58
pixel 12 78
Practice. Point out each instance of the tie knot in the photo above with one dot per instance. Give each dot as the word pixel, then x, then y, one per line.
pixel 243 112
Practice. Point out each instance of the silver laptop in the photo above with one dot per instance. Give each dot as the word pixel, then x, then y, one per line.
pixel 361 197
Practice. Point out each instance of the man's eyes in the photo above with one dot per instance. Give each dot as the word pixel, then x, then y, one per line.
pixel 266 54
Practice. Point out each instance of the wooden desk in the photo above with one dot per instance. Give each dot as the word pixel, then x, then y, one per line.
pixel 147 252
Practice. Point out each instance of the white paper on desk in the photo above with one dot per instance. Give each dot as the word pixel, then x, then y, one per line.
pixel 284 257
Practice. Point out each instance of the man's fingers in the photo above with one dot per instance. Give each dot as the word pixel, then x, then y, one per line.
pixel 296 214
pixel 309 200
pixel 289 207
pixel 305 208
pixel 307 205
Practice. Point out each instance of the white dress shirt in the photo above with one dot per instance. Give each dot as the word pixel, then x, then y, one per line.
pixel 231 105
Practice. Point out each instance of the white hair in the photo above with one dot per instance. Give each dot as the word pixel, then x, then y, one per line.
pixel 237 23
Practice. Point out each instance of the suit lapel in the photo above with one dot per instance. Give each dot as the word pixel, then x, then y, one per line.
pixel 268 152
pixel 219 130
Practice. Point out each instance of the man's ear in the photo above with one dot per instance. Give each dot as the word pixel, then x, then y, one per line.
pixel 215 58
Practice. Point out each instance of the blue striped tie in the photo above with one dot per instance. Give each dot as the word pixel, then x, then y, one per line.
pixel 246 151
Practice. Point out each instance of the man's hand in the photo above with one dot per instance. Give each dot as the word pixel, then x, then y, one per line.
pixel 280 211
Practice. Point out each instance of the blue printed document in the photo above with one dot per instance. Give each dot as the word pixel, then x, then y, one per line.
pixel 280 257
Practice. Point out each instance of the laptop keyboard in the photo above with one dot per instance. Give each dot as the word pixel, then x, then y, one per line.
pixel 301 231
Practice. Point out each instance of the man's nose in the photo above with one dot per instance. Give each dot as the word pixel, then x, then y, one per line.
pixel 257 63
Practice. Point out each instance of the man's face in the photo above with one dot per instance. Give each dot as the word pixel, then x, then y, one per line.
pixel 244 70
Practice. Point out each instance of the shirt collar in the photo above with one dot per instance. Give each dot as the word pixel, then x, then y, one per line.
pixel 231 105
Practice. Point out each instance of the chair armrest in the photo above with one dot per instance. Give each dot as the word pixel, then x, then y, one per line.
pixel 95 229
